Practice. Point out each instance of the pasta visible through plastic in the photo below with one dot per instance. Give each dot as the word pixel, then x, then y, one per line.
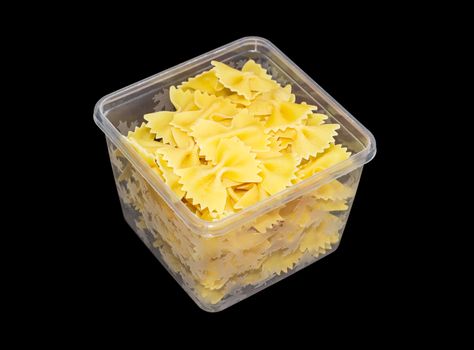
pixel 235 138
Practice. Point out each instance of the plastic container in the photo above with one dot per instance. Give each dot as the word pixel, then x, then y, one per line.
pixel 222 262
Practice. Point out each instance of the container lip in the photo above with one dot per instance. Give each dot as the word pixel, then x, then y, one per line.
pixel 221 226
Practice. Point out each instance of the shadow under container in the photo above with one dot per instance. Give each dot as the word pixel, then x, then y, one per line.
pixel 221 262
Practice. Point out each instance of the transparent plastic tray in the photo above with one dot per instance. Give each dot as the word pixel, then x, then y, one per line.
pixel 222 262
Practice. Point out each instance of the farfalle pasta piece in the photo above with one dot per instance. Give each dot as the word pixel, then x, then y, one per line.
pixel 246 84
pixel 207 215
pixel 279 108
pixel 206 82
pixel 204 183
pixel 267 221
pixel 277 172
pixel 315 119
pixel 125 173
pixel 301 212
pixel 285 114
pixel 143 140
pixel 159 124
pixel 244 126
pixel 254 195
pixel 211 296
pixel 279 263
pixel 334 190
pixel 330 205
pixel 321 235
pixel 332 155
pixel 184 154
pixel 254 67
pixel 238 100
pixel 235 194
pixel 276 147
pixel 308 140
pixel 263 104
pixel 210 107
pixel 182 100
pixel 169 176
pixel 246 241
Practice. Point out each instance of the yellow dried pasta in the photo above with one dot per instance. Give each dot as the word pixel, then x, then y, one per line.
pixel 285 141
pixel 206 82
pixel 235 138
pixel 143 141
pixel 204 183
pixel 245 83
pixel 309 140
pixel 244 126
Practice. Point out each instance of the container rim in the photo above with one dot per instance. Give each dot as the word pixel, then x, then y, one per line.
pixel 221 226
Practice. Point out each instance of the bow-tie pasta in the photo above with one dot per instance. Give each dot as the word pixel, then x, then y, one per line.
pixel 235 138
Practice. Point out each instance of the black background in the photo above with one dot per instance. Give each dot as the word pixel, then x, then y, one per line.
pixel 106 274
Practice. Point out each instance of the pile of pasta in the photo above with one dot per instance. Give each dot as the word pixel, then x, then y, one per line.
pixel 235 138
